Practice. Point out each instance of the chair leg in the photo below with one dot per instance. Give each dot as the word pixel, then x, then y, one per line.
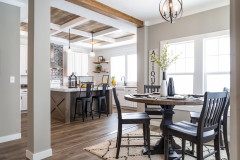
pixel 183 148
pixel 217 146
pixel 226 139
pixel 119 140
pixel 75 110
pixel 91 113
pixel 99 107
pixel 144 134
pixel 83 110
pixel 200 151
pixel 148 137
pixel 193 148
pixel 106 107
pixel 166 147
pixel 86 109
pixel 221 139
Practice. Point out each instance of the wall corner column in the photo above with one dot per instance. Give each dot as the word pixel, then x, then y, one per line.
pixel 142 62
pixel 235 79
pixel 39 121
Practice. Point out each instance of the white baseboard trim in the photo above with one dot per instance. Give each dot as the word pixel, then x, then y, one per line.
pixel 10 137
pixel 39 155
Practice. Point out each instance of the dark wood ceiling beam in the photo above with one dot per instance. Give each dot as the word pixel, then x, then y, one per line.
pixel 107 11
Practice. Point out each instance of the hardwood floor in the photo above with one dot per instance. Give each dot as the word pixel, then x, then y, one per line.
pixel 68 140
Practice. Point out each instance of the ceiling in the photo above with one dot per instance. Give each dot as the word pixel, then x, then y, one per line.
pixel 147 10
pixel 108 32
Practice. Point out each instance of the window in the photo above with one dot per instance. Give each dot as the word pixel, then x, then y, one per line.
pixel 217 66
pixel 118 67
pixel 77 62
pixel 124 66
pixel 132 68
pixel 183 70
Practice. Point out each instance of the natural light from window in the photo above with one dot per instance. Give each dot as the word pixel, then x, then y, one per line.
pixel 118 67
pixel 217 58
pixel 132 68
pixel 182 71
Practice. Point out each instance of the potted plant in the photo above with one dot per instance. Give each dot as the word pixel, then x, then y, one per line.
pixel 164 61
pixel 98 68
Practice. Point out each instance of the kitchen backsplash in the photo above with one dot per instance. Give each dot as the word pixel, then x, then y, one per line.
pixel 57 74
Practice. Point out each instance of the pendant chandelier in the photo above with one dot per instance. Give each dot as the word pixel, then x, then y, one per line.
pixel 69 50
pixel 92 54
pixel 171 10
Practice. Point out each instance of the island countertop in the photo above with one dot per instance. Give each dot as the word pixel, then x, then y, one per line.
pixel 66 89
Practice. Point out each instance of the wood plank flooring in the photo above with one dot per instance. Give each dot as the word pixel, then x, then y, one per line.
pixel 68 140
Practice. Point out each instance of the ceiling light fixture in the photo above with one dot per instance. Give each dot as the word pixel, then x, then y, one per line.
pixel 92 54
pixel 69 50
pixel 171 10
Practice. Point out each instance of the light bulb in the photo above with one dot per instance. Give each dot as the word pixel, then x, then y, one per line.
pixel 69 50
pixel 92 54
pixel 176 8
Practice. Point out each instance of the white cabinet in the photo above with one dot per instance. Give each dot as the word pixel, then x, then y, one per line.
pixel 121 93
pixel 23 60
pixel 77 62
pixel 23 100
pixel 130 91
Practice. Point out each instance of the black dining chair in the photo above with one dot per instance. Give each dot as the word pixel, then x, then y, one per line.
pixel 195 116
pixel 101 97
pixel 84 100
pixel 207 129
pixel 131 118
pixel 153 111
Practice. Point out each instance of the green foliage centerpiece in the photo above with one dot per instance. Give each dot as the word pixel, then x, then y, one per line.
pixel 164 61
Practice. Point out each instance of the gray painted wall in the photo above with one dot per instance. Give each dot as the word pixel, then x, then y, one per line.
pixel 9 66
pixel 204 22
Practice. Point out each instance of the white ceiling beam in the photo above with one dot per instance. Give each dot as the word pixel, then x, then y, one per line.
pixel 126 38
pixel 71 24
pixel 66 43
pixel 105 32
pixel 18 3
pixel 55 26
pixel 78 32
pixel 100 36
pixel 91 15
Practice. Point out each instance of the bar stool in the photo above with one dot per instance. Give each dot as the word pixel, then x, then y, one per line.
pixel 102 98
pixel 84 100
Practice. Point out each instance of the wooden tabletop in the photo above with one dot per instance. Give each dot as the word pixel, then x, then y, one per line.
pixel 164 100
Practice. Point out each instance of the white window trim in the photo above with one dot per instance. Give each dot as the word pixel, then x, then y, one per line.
pixel 126 68
pixel 199 76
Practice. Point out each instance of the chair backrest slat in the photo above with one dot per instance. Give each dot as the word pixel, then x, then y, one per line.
pixel 151 88
pixel 117 104
pixel 213 108
pixel 104 88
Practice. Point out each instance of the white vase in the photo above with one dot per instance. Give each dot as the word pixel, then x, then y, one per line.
pixel 163 89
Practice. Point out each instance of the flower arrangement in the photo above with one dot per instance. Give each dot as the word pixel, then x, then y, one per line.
pixel 165 59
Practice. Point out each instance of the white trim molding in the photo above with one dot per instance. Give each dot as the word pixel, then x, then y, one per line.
pixel 10 137
pixel 39 155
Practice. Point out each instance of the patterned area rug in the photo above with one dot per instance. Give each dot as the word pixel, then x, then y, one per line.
pixel 107 150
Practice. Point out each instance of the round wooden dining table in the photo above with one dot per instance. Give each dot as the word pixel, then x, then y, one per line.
pixel 167 106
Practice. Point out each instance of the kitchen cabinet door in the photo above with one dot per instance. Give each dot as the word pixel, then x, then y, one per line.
pixel 23 102
pixel 23 60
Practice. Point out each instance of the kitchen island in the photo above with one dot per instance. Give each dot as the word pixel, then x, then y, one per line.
pixel 63 102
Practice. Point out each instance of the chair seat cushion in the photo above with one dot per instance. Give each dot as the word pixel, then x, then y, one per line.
pixel 138 117
pixel 186 130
